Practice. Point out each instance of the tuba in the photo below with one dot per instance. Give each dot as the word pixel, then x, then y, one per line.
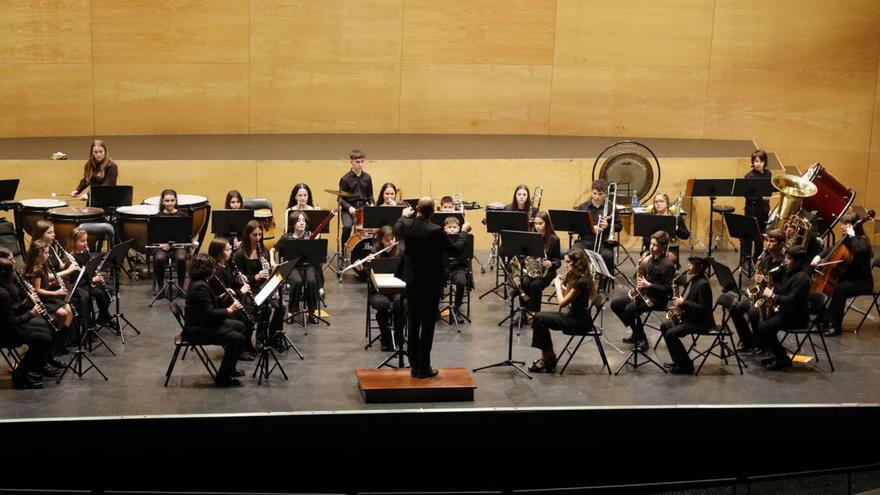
pixel 793 189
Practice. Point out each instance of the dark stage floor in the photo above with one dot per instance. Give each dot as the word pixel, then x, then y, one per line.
pixel 325 380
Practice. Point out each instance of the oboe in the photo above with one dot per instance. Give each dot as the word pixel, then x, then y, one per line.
pixel 32 293
pixel 231 293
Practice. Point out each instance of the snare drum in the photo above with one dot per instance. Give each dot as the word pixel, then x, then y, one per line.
pixel 197 206
pixel 34 210
pixel 133 224
pixel 267 225
pixel 66 219
pixel 832 199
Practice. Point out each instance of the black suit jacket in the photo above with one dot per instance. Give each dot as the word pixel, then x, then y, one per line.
pixel 792 297
pixel 427 247
pixel 697 306
pixel 203 311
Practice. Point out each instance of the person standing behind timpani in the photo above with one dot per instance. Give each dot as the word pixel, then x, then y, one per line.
pixel 360 185
pixel 757 207
pixel 595 206
pixel 422 269
pixel 99 170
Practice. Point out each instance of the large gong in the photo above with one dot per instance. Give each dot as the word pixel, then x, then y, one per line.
pixel 629 164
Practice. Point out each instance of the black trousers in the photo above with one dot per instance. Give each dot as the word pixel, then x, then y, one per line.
pixel 460 281
pixel 534 288
pixel 629 313
pixel 347 222
pixel 766 336
pixel 230 335
pixel 308 277
pixel 386 306
pixel 845 289
pixel 421 316
pixel 739 312
pixel 160 260
pixel 755 248
pixel 672 335
pixel 554 320
pixel 38 337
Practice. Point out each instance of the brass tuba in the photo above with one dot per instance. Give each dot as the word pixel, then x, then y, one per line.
pixel 792 190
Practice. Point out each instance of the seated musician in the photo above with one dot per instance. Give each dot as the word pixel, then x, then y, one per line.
pixel 160 256
pixel 58 260
pixel 301 198
pixel 654 282
pixel 772 257
pixel 234 201
pixel 359 185
pixel 447 204
pixel 575 290
pixel 225 277
pixel 20 323
pixel 457 267
pixel 99 170
pixel 52 291
pixel 253 262
pixel 534 287
pixel 595 206
pixel 96 289
pixel 522 199
pixel 791 299
pixel 388 195
pixel 856 279
pixel 385 304
pixel 661 207
pixel 757 207
pixel 695 306
pixel 208 321
pixel 304 274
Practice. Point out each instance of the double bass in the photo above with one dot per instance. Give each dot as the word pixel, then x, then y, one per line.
pixel 835 263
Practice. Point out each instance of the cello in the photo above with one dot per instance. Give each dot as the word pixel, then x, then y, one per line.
pixel 835 263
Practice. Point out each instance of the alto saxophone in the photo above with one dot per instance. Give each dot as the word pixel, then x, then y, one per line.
pixel 634 293
pixel 674 313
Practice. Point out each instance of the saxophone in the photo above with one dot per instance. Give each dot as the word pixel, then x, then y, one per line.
pixel 674 313
pixel 754 291
pixel 764 305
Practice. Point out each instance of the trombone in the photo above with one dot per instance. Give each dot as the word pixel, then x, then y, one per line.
pixel 608 213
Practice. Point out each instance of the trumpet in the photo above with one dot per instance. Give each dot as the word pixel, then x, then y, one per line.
pixel 608 212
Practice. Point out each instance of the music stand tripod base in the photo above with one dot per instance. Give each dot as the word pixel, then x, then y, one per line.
pixel 632 359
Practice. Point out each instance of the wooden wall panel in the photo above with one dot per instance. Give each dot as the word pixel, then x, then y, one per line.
pixel 171 31
pixel 796 35
pixel 45 31
pixel 330 31
pixel 325 98
pixel 873 183
pixel 501 99
pixel 875 127
pixel 816 110
pixel 628 101
pixel 488 31
pixel 46 100
pixel 594 33
pixel 171 99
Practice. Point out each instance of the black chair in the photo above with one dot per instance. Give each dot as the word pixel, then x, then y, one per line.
pixel 875 304
pixel 594 331
pixel 818 303
pixel 373 324
pixel 185 345
pixel 722 341
pixel 9 350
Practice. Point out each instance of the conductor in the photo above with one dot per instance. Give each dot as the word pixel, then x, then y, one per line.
pixel 427 248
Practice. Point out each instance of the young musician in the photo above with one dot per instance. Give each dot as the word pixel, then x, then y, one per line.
pixel 575 290
pixel 99 170
pixel 655 285
pixel 360 185
pixel 49 287
pixel 225 279
pixel 447 204
pixel 791 298
pixel 20 323
pixel 96 289
pixel 757 207
pixel 388 195
pixel 304 274
pixel 234 201
pixel 209 322
pixel 533 287
pixel 301 198
pixel 596 206
pixel 457 266
pixel 160 256
pixel 856 279
pixel 695 304
pixel 522 199
pixel 772 258
pixel 254 262
pixel 661 207
pixel 385 304
pixel 58 259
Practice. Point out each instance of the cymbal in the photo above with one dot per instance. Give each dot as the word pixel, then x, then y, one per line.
pixel 342 194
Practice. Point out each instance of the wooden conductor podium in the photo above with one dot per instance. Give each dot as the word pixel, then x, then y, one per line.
pixel 396 385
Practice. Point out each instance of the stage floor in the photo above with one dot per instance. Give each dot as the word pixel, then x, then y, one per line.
pixel 325 381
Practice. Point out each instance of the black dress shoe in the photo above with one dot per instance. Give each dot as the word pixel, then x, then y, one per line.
pixel 50 371
pixel 414 372
pixel 55 363
pixel 237 373
pixel 428 373
pixel 768 360
pixel 246 356
pixel 229 382
pixel 778 365
pixel 629 340
pixel 386 347
pixel 313 320
pixel 678 370
pixel 642 345
pixel 22 380
pixel 833 332
pixel 740 348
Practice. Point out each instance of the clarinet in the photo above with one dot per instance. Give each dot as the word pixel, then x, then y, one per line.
pixel 32 293
pixel 241 278
pixel 263 261
pixel 59 248
pixel 231 293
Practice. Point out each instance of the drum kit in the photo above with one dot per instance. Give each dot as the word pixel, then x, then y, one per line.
pixel 360 244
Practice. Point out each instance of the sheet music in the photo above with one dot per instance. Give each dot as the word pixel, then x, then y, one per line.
pixel 268 288
pixel 598 263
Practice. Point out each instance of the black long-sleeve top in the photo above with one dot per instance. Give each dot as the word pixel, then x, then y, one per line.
pixel 249 268
pixel 697 305
pixel 203 310
pixel 224 274
pixel 860 266
pixel 659 272
pixel 13 312
pixel 596 211
pixel 792 297
pixel 768 263
pixel 110 176
pixel 361 188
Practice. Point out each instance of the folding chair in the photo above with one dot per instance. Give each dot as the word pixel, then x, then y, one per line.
pixel 875 304
pixel 181 343
pixel 817 303
pixel 720 333
pixel 594 331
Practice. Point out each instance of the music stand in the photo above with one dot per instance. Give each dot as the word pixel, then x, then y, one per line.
pixel 316 217
pixel 440 217
pixel 116 256
pixel 170 230
pixel 571 221
pixel 496 221
pixel 264 296
pixel 646 224
pixel 743 228
pixel 230 223
pixel 379 216
pixel 307 253
pixel 752 188
pixel 76 361
pixel 111 197
pixel 519 245
pixel 8 188
pixel 711 188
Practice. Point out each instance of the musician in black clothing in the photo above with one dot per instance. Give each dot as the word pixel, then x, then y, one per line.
pixel 757 207
pixel 596 206
pixel 655 284
pixel 304 275
pixel 99 170
pixel 209 322
pixel 661 207
pixel 533 287
pixel 856 279
pixel 223 278
pixel 160 256
pixel 791 299
pixel 457 267
pixel 253 262
pixel 695 304
pixel 360 185
pixel 234 201
pixel 772 257
pixel 522 199
pixel 87 291
pixel 20 325
pixel 422 269
pixel 387 305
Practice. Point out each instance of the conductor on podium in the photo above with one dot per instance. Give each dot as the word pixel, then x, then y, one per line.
pixel 427 248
